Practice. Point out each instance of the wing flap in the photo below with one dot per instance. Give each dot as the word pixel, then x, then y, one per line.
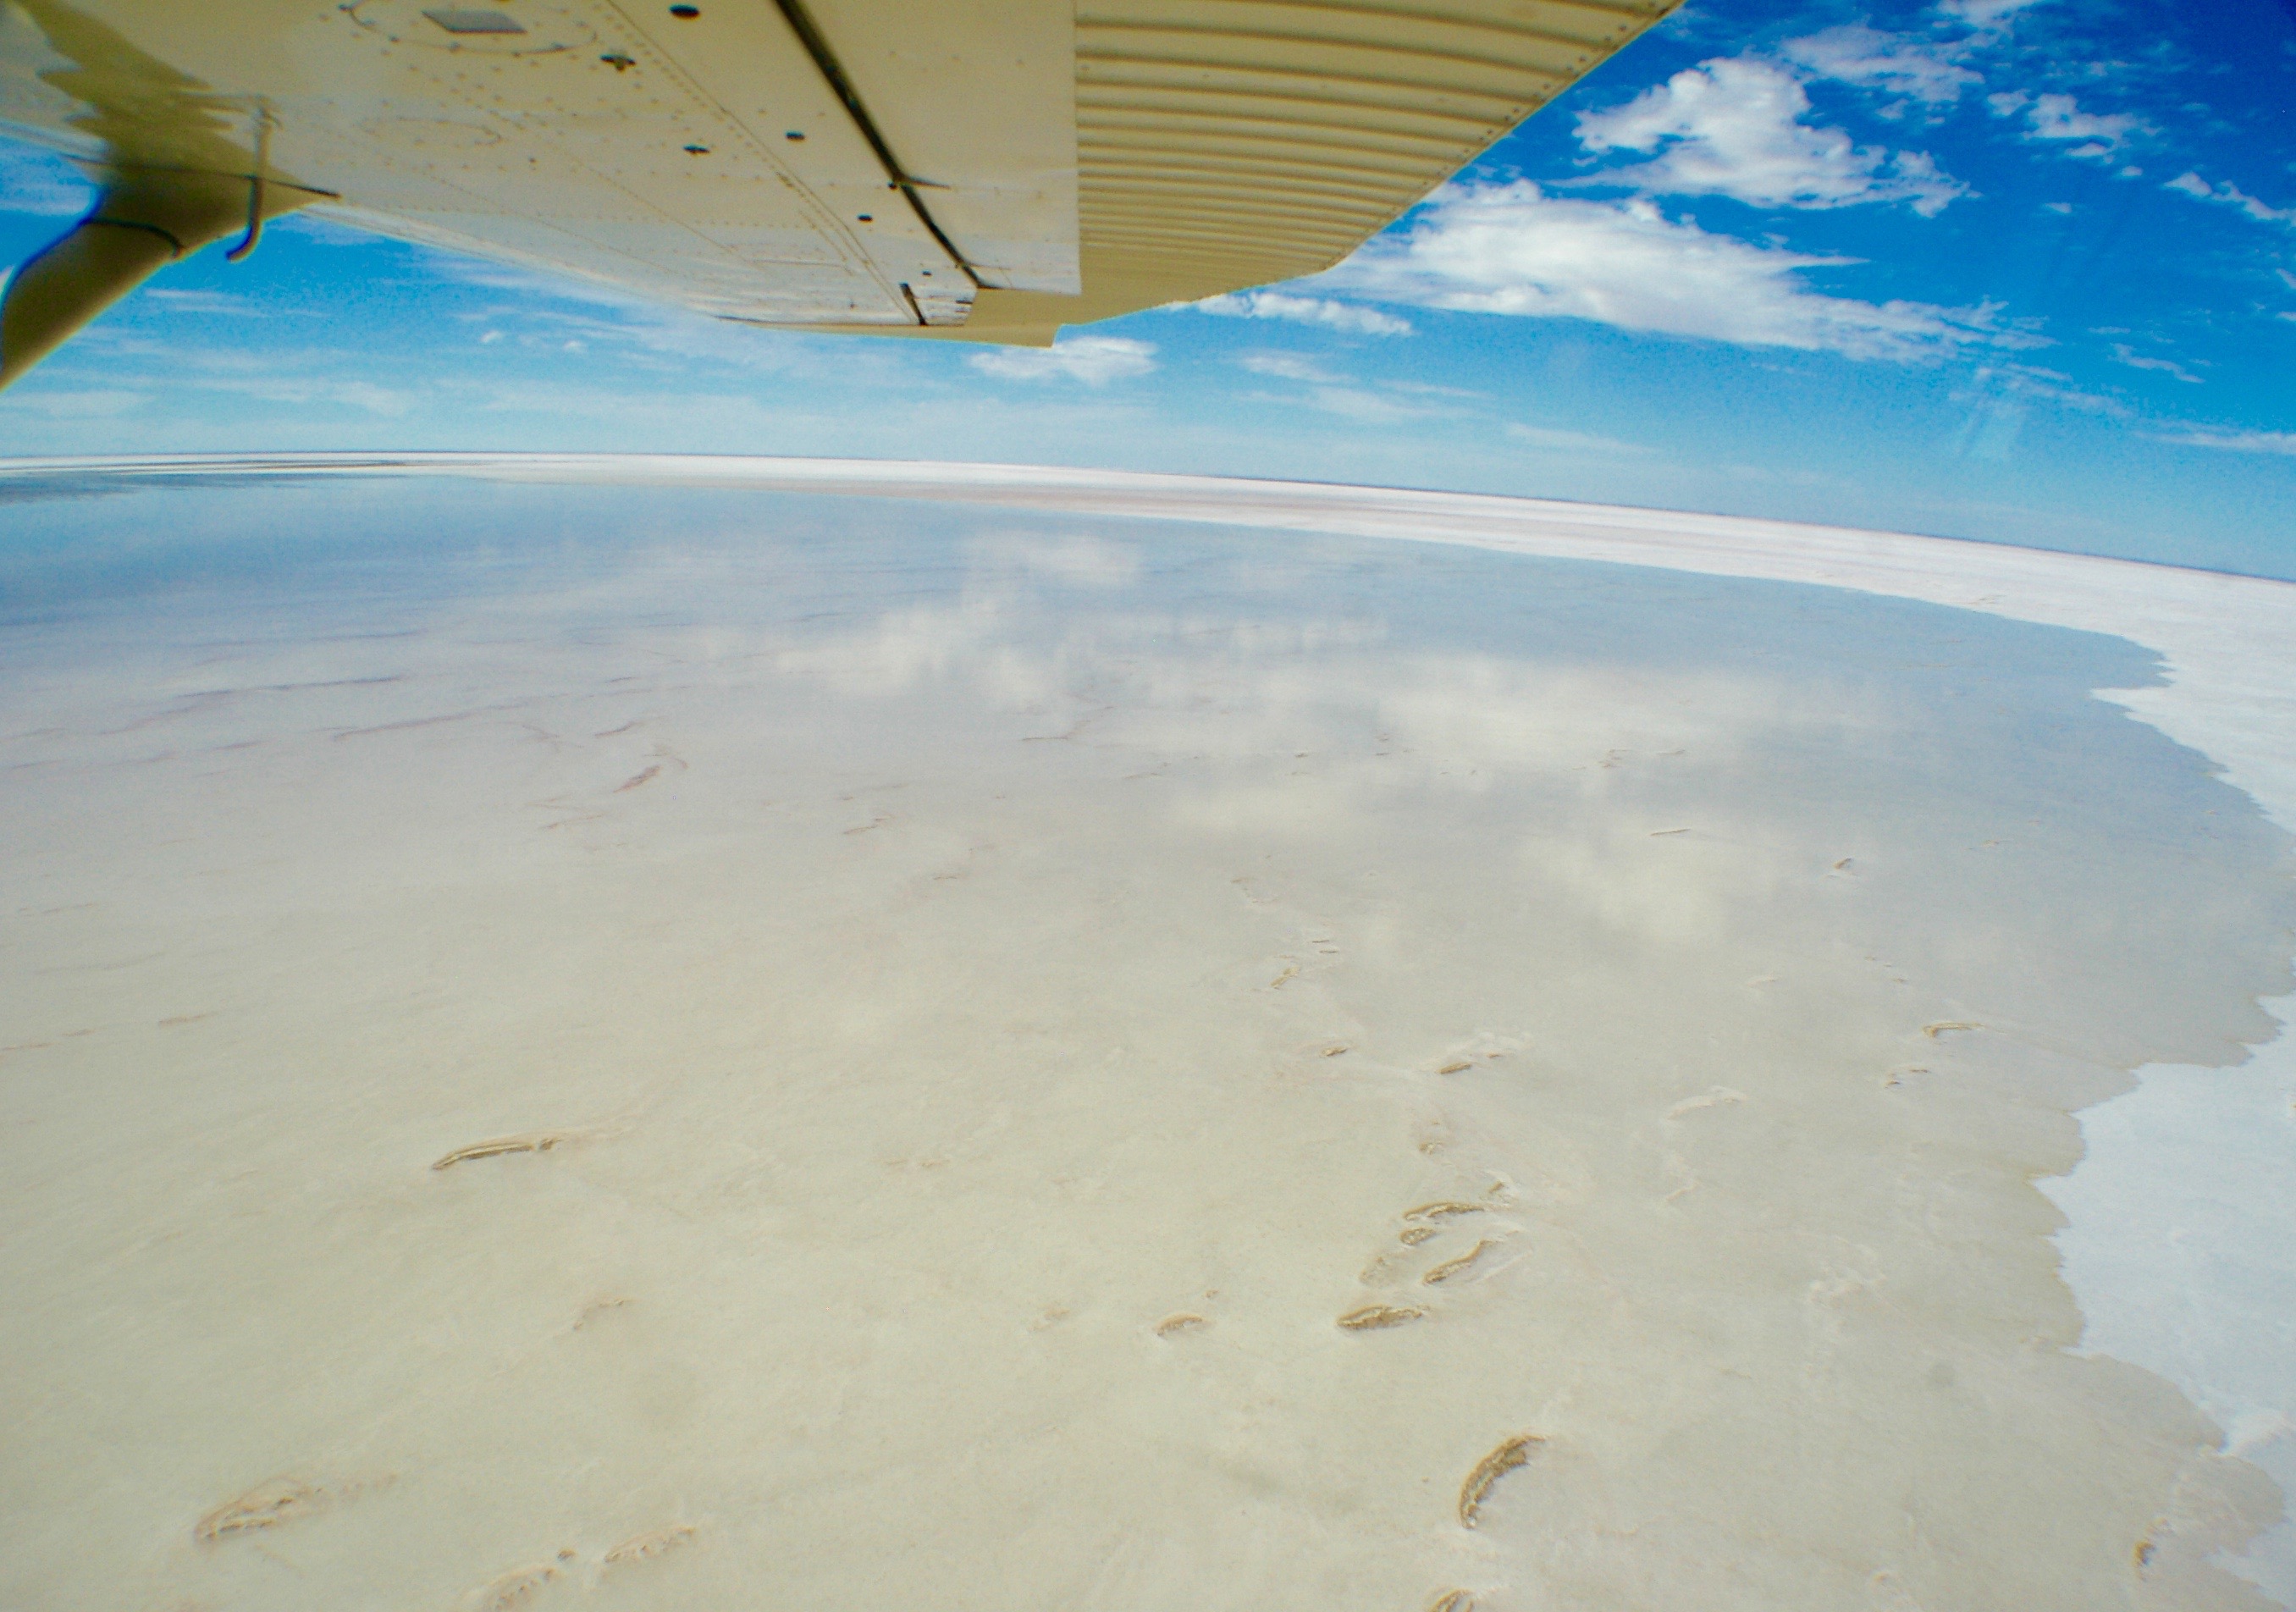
pixel 1228 144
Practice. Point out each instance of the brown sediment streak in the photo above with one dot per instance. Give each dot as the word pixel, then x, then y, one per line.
pixel 1717 1097
pixel 1514 1452
pixel 538 1142
pixel 518 1586
pixel 268 1506
pixel 1187 1321
pixel 1372 1318
pixel 1444 1210
pixel 1459 1266
pixel 420 722
pixel 596 1308
pixel 276 1504
pixel 645 1546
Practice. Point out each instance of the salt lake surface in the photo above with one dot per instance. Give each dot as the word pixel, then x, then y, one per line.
pixel 669 1047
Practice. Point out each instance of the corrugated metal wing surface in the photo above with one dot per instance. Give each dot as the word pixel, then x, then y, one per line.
pixel 1224 144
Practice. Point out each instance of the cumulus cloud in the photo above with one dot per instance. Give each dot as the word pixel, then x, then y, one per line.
pixel 1734 127
pixel 1892 64
pixel 2059 117
pixel 1304 310
pixel 2231 195
pixel 1512 248
pixel 1094 360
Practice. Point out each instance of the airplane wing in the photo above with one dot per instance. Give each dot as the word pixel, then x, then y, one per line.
pixel 989 169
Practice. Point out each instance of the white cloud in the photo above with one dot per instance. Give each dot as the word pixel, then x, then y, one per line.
pixel 2007 381
pixel 92 404
pixel 2231 195
pixel 1893 63
pixel 1304 310
pixel 1733 126
pixel 1092 562
pixel 269 381
pixel 42 183
pixel 1365 407
pixel 1287 366
pixel 2237 442
pixel 375 399
pixel 1571 442
pixel 1510 249
pixel 2055 117
pixel 197 301
pixel 2122 353
pixel 1094 360
pixel 1984 14
pixel 1998 398
pixel 1382 402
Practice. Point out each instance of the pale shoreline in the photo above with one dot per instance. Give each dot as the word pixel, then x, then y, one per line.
pixel 2229 642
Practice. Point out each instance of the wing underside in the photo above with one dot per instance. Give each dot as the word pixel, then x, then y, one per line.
pixel 984 168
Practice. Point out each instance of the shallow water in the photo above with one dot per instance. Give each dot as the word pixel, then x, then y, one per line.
pixel 976 999
pixel 2178 1247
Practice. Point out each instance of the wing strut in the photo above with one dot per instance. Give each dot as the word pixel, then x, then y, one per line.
pixel 146 220
pixel 255 188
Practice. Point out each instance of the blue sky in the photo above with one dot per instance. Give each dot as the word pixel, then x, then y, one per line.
pixel 2024 272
